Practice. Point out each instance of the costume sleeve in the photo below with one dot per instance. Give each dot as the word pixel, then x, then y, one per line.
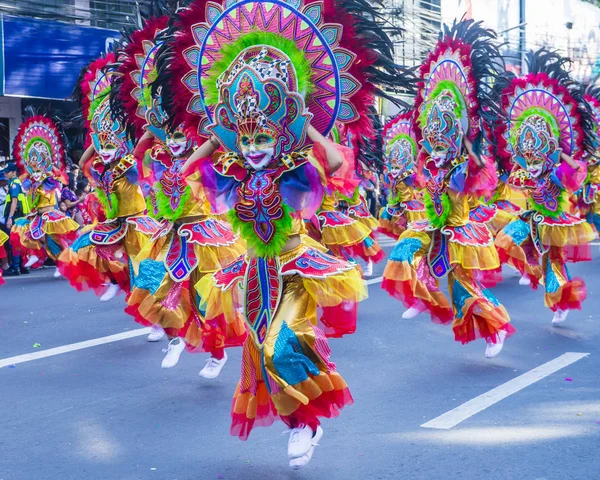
pixel 471 179
pixel 219 188
pixel 569 178
pixel 302 189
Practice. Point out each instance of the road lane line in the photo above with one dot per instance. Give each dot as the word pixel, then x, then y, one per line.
pixel 478 404
pixel 28 357
pixel 373 280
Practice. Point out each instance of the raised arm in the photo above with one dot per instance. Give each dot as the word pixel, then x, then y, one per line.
pixel 334 156
pixel 89 153
pixel 205 150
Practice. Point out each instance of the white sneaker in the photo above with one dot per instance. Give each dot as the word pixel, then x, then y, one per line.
pixel 303 439
pixel 176 347
pixel 493 349
pixel 57 273
pixel 559 317
pixel 156 334
pixel 412 312
pixel 32 261
pixel 111 292
pixel 524 281
pixel 368 270
pixel 213 367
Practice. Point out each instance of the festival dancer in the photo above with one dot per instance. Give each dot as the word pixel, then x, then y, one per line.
pixel 40 154
pixel 401 151
pixel 589 202
pixel 454 99
pixel 259 95
pixel 104 254
pixel 344 235
pixel 3 238
pixel 190 242
pixel 548 129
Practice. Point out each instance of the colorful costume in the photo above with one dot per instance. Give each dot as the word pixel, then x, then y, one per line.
pixel 450 107
pixel 105 252
pixel 267 69
pixel 547 122
pixel 3 238
pixel 589 202
pixel 189 242
pixel 401 153
pixel 40 154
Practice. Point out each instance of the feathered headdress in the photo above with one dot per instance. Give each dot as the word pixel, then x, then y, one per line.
pixel 546 113
pixel 39 148
pixel 321 51
pixel 93 93
pixel 592 97
pixel 457 93
pixel 400 144
pixel 133 100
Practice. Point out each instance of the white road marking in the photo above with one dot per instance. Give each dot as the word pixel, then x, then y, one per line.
pixel 478 404
pixel 373 280
pixel 28 357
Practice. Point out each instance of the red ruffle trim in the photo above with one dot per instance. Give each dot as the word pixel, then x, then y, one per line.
pixel 572 295
pixel 490 278
pixel 373 253
pixel 401 290
pixel 339 320
pixel 326 405
pixel 83 277
pixel 519 265
pixel 133 310
pixel 578 253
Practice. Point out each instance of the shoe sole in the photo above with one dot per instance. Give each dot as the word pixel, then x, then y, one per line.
pixel 315 441
pixel 162 365
pixel 218 373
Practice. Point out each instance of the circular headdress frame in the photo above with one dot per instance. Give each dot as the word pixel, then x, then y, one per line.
pixel 39 146
pixel 299 30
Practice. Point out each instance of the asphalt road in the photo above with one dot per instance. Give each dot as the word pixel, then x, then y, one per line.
pixel 110 411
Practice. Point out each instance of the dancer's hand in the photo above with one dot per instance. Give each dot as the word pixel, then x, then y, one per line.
pixel 205 150
pixel 476 157
pixel 334 157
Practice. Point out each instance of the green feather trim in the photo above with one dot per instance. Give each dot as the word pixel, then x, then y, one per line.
pixel 230 51
pixel 146 98
pixel 458 97
pixel 434 219
pixel 492 200
pixel 34 140
pixel 97 101
pixel 354 199
pixel 283 229
pixel 163 203
pixel 554 127
pixel 109 212
pixel 403 136
pixel 563 200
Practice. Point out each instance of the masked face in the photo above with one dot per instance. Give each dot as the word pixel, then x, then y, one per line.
pixel 108 153
pixel 443 133
pixel 536 150
pixel 258 150
pixel 39 160
pixel 177 143
pixel 535 167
